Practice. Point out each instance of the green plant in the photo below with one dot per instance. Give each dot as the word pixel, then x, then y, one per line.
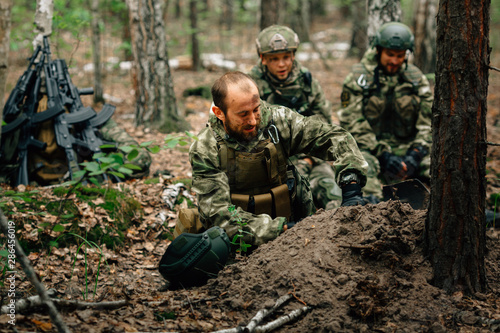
pixel 238 238
pixel 87 244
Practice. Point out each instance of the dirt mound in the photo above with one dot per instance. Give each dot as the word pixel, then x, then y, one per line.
pixel 359 269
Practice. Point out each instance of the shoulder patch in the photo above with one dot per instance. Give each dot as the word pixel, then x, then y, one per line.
pixel 345 98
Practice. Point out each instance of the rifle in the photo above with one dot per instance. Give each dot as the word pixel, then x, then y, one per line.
pixel 25 83
pixel 63 121
pixel 85 130
pixel 29 120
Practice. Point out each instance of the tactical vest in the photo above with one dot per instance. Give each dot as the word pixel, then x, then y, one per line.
pixel 296 96
pixel 260 181
pixel 388 114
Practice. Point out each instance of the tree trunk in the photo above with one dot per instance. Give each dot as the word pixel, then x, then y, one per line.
pixel 380 12
pixel 43 21
pixel 455 229
pixel 195 49
pixel 96 50
pixel 270 13
pixel 156 105
pixel 5 13
pixel 424 27
pixel 359 38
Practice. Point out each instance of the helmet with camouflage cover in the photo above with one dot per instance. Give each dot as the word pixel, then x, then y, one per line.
pixel 395 36
pixel 277 39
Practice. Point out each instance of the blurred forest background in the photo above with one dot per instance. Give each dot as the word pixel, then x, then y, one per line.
pixel 224 38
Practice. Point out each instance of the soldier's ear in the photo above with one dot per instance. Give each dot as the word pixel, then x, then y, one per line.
pixel 218 113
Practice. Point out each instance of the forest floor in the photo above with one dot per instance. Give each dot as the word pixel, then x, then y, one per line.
pixel 357 269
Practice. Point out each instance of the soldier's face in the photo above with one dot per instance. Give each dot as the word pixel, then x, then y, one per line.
pixel 279 64
pixel 242 118
pixel 392 60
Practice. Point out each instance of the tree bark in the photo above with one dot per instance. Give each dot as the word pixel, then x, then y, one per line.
pixel 380 12
pixel 96 51
pixel 156 104
pixel 195 49
pixel 359 38
pixel 43 21
pixel 424 27
pixel 270 13
pixel 5 22
pixel 455 229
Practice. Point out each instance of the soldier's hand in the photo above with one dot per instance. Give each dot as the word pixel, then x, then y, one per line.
pixel 413 158
pixel 393 164
pixel 352 195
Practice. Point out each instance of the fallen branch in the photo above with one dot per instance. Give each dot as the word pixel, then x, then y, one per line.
pixel 259 317
pixel 30 273
pixel 29 302
pixel 262 314
pixel 356 246
pixel 282 320
pixel 35 301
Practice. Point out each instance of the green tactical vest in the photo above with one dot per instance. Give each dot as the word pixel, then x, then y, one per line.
pixel 259 180
pixel 387 113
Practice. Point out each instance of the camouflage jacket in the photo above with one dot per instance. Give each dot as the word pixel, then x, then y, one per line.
pixel 394 112
pixel 300 91
pixel 297 134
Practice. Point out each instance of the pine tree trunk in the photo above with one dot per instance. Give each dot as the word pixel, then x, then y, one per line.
pixel 195 49
pixel 455 230
pixel 156 104
pixel 380 12
pixel 359 39
pixel 424 28
pixel 269 13
pixel 5 22
pixel 96 51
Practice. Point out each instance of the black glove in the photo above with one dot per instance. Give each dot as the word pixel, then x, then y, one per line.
pixel 351 195
pixel 391 163
pixel 413 158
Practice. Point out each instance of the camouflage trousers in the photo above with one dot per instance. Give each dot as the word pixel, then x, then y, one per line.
pixel 325 191
pixel 375 179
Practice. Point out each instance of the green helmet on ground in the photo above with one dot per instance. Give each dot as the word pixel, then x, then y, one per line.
pixel 191 259
pixel 277 39
pixel 395 36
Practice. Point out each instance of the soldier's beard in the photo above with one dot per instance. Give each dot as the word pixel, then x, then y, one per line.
pixel 241 134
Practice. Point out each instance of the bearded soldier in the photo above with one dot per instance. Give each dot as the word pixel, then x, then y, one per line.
pixel 282 80
pixel 386 106
pixel 241 159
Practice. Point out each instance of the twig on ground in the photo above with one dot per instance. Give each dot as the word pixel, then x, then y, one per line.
pixel 281 320
pixel 356 246
pixel 30 273
pixel 296 297
pixel 262 314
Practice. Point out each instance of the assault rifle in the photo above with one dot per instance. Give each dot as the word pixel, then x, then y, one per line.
pixel 25 83
pixel 73 129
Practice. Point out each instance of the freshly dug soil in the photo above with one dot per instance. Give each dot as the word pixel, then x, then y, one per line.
pixel 359 269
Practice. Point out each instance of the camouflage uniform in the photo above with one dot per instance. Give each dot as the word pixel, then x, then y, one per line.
pixel 302 93
pixel 112 132
pixel 391 116
pixel 297 135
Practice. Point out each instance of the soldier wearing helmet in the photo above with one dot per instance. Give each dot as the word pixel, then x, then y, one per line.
pixel 282 80
pixel 386 105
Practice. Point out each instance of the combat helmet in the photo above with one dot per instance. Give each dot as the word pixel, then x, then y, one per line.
pixel 191 259
pixel 395 36
pixel 277 39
